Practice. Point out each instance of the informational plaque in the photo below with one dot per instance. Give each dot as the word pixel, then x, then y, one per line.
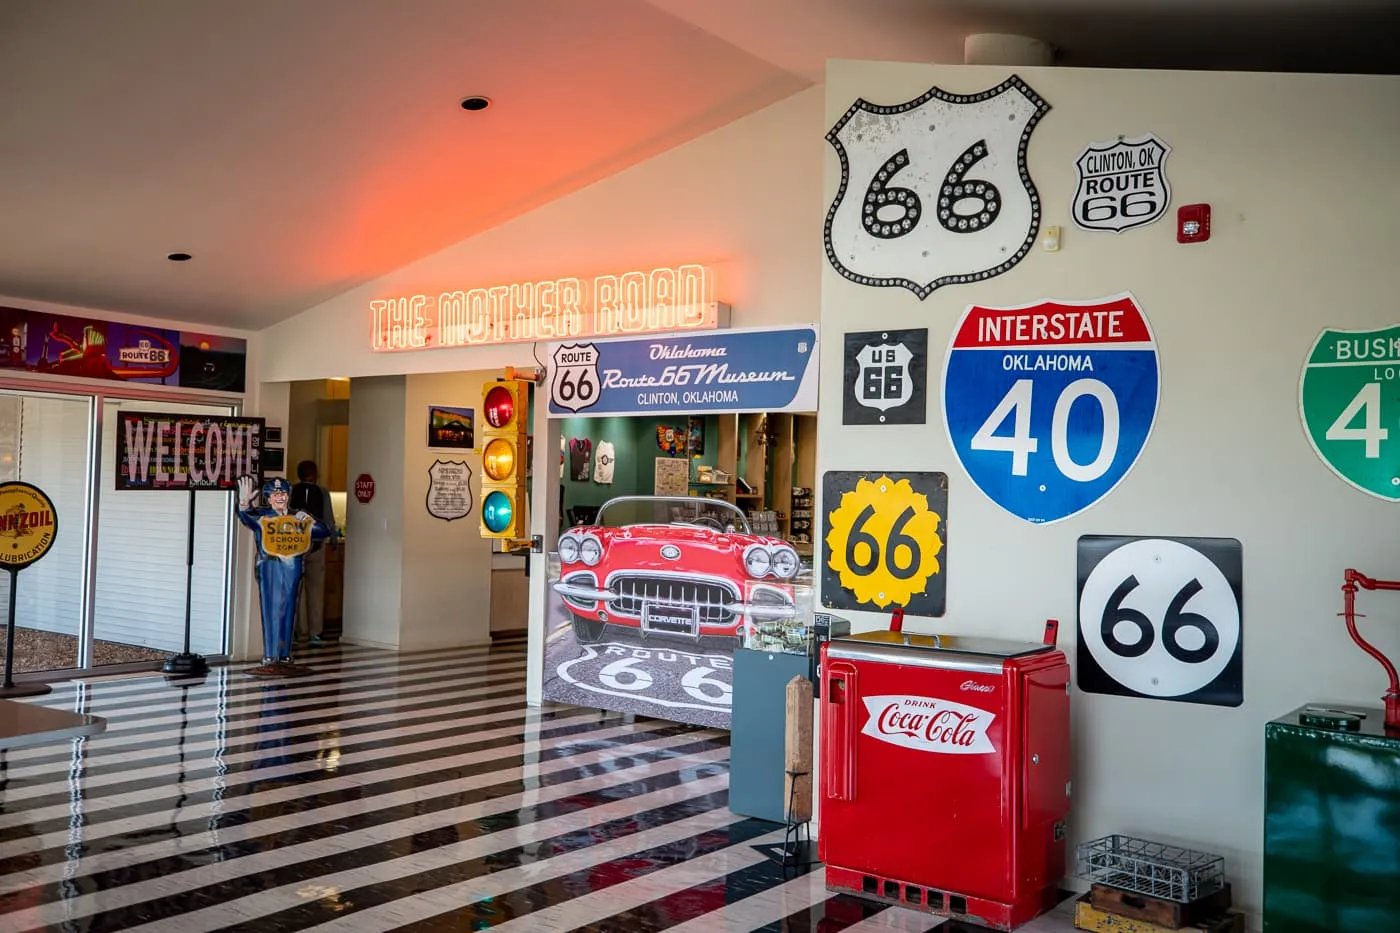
pixel 672 476
pixel 449 489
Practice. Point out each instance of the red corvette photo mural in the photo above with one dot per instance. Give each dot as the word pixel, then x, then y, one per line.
pixel 651 600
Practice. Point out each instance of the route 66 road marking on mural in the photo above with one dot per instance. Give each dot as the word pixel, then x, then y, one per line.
pixel 666 676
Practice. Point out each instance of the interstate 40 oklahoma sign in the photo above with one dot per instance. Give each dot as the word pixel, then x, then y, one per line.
pixel 1348 393
pixel 1048 405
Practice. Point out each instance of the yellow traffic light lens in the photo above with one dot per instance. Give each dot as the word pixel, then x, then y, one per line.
pixel 498 459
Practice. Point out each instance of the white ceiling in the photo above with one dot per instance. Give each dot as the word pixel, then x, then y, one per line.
pixel 299 148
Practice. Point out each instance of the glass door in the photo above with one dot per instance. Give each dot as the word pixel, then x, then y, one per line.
pixel 46 440
pixel 142 535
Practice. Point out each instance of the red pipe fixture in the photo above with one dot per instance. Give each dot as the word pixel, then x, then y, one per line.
pixel 897 619
pixel 1356 580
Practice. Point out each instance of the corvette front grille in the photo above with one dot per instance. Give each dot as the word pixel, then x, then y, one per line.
pixel 708 596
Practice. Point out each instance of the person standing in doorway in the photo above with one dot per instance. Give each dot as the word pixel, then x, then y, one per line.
pixel 310 497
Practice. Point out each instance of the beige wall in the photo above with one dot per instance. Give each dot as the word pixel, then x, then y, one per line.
pixel 740 199
pixel 446 565
pixel 412 581
pixel 375 533
pixel 1306 214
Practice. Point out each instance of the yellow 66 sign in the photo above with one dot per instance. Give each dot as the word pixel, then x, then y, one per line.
pixel 886 541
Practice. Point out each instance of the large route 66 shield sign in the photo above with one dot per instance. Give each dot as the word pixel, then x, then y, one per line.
pixel 1162 618
pixel 575 384
pixel 934 191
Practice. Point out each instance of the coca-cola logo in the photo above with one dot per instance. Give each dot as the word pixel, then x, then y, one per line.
pixel 980 688
pixel 929 725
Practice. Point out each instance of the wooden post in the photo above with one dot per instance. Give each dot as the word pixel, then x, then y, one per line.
pixel 797 784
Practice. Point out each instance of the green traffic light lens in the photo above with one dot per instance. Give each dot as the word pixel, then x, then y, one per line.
pixel 496 512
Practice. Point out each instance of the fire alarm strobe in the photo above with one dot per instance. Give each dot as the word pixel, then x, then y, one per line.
pixel 1193 223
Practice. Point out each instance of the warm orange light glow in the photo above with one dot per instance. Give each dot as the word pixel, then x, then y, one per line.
pixel 661 300
pixel 498 459
pixel 204 345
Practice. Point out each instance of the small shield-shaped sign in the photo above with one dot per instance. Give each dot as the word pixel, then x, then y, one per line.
pixel 1122 184
pixel 575 383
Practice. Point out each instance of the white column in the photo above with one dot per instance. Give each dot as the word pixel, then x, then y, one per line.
pixel 990 48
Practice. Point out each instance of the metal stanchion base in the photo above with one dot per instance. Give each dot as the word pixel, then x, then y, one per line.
pixel 185 665
pixel 25 690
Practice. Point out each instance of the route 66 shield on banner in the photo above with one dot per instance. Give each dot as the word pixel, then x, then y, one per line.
pixel 935 191
pixel 575 384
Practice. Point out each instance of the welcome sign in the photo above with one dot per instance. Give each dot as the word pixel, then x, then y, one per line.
pixel 157 450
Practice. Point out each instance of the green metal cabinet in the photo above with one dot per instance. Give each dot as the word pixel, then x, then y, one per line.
pixel 1331 823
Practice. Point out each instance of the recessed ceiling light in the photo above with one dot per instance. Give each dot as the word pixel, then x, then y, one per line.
pixel 179 257
pixel 475 102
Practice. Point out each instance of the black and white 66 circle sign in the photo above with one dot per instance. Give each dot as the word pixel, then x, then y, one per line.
pixel 1162 618
pixel 886 377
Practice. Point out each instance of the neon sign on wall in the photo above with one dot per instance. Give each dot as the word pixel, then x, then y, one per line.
pixel 661 300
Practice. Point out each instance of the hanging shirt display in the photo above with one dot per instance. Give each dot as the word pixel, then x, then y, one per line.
pixel 603 468
pixel 580 452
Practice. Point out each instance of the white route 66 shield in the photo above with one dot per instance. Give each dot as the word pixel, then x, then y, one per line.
pixel 575 383
pixel 935 191
pixel 883 380
pixel 1122 184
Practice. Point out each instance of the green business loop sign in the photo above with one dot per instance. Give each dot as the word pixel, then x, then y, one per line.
pixel 1349 395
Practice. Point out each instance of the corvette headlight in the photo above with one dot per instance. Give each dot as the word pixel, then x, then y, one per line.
pixel 568 549
pixel 757 560
pixel 590 551
pixel 785 563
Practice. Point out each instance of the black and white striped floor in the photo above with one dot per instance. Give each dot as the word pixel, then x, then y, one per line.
pixel 389 791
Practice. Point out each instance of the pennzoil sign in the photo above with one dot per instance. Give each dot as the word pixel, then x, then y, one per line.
pixel 28 525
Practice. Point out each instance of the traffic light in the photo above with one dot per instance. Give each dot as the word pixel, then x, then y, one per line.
pixel 504 414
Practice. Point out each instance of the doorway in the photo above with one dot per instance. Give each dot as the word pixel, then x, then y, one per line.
pixel 110 594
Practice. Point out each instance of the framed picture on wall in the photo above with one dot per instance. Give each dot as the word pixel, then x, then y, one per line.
pixel 274 459
pixel 695 440
pixel 451 427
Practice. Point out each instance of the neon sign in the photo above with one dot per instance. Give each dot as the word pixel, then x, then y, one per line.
pixel 662 300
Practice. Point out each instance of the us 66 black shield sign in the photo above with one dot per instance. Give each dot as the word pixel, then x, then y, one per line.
pixel 886 377
pixel 1162 618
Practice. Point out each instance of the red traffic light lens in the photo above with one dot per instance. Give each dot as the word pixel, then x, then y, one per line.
pixel 500 407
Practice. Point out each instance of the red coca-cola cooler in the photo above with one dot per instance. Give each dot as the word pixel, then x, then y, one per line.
pixel 945 773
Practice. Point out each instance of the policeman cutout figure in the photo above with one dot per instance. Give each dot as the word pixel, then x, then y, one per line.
pixel 283 537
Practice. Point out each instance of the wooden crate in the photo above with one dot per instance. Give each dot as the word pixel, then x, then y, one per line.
pixel 1170 914
pixel 1089 917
